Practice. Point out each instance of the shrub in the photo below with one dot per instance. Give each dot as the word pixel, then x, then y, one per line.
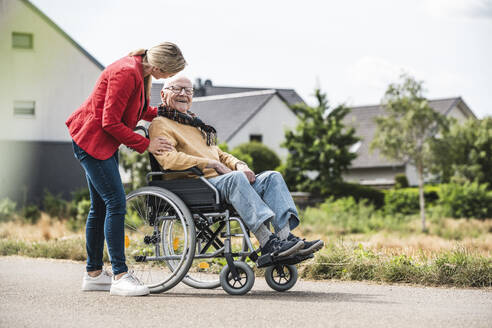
pixel 358 192
pixel 31 213
pixel 237 153
pixel 81 194
pixel 406 200
pixel 468 200
pixel 77 222
pixel 401 181
pixel 7 209
pixel 345 215
pixel 403 201
pixel 264 158
pixel 54 205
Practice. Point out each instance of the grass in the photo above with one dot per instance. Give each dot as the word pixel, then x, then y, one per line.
pixel 362 244
pixel 459 267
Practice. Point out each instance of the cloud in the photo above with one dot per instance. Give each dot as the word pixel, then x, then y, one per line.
pixel 460 8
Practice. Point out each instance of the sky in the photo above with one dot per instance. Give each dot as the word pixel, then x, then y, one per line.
pixel 350 49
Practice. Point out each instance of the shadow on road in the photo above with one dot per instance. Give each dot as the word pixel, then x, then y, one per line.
pixel 292 296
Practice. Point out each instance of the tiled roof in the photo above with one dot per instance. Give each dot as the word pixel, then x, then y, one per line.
pixel 229 113
pixel 290 96
pixel 362 118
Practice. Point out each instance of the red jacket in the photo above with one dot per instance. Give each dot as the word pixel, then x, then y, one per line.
pixel 107 118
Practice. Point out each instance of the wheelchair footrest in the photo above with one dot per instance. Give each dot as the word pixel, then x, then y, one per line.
pixel 269 260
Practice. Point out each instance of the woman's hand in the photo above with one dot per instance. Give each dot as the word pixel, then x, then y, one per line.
pixel 159 145
pixel 249 173
pixel 218 167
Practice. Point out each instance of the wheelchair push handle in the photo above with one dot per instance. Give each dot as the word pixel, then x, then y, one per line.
pixel 143 129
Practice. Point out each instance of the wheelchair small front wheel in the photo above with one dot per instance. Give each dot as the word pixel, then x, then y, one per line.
pixel 281 277
pixel 240 285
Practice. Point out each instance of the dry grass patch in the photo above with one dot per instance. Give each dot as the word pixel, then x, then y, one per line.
pixel 45 229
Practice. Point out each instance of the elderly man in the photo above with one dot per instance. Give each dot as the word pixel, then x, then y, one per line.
pixel 259 199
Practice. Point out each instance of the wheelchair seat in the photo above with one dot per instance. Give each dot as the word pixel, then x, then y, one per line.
pixel 194 192
pixel 198 194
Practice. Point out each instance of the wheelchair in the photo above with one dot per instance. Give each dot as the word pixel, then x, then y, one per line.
pixel 180 230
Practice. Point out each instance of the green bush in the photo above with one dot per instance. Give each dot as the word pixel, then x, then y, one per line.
pixel 406 200
pixel 467 200
pixel 403 201
pixel 80 194
pixel 401 181
pixel 357 192
pixel 7 209
pixel 345 215
pixel 31 213
pixel 54 205
pixel 264 158
pixel 237 153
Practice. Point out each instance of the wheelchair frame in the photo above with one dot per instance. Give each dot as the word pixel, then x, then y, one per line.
pixel 203 202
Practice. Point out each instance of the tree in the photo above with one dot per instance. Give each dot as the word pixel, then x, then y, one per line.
pixel 408 128
pixel 263 158
pixel 318 147
pixel 464 152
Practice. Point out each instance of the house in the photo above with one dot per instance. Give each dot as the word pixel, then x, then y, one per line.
pixel 371 168
pixel 45 75
pixel 243 114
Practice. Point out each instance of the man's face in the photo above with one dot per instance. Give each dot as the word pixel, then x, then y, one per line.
pixel 178 94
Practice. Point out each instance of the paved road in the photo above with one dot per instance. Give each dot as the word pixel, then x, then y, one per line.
pixel 45 293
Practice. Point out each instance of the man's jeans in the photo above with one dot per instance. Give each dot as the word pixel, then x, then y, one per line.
pixel 107 212
pixel 267 198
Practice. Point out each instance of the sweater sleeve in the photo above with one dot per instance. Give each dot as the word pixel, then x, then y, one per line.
pixel 227 159
pixel 173 160
pixel 121 84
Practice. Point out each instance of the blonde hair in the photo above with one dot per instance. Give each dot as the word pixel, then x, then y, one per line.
pixel 166 56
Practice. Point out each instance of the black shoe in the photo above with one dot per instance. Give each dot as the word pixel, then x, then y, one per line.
pixel 296 258
pixel 309 246
pixel 277 247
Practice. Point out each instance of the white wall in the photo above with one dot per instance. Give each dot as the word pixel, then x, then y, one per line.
pixel 457 114
pixel 54 74
pixel 270 122
pixel 373 175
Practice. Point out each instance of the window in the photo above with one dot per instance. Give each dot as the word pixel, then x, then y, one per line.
pixel 24 108
pixel 256 137
pixel 22 40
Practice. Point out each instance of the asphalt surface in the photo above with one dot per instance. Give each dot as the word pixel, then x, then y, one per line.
pixel 46 293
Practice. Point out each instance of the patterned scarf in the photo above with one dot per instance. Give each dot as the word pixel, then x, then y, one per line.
pixel 190 119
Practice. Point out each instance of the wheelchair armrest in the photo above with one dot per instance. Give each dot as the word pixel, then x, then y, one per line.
pixel 195 170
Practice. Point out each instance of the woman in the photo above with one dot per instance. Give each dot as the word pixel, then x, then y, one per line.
pixel 104 122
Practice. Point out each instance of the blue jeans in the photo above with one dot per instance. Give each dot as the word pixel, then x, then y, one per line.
pixel 107 213
pixel 267 199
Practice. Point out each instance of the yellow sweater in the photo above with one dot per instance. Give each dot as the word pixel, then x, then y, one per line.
pixel 191 148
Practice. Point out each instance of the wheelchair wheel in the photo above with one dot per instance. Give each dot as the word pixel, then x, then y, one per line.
pixel 203 273
pixel 281 277
pixel 243 284
pixel 148 209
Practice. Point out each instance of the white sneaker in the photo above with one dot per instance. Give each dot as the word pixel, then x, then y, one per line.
pixel 101 282
pixel 128 285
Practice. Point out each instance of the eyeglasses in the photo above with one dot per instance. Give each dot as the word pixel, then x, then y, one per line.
pixel 177 90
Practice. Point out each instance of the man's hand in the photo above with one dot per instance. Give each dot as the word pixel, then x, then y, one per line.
pixel 218 167
pixel 249 173
pixel 159 145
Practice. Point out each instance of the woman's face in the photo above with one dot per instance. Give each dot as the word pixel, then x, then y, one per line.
pixel 178 94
